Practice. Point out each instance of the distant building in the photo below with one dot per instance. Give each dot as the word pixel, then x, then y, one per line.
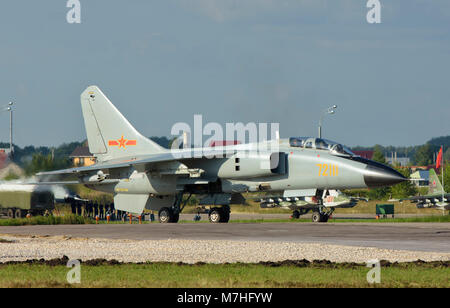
pixel 222 143
pixel 81 157
pixel 402 161
pixel 394 160
pixel 364 154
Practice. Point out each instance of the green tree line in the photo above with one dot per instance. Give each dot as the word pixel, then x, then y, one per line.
pixel 419 155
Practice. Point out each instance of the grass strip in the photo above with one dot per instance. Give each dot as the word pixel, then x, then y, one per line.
pixel 74 219
pixel 46 220
pixel 302 273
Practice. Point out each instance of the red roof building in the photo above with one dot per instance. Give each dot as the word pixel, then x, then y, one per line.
pixel 364 154
pixel 223 143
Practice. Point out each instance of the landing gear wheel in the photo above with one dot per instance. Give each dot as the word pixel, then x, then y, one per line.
pixel 166 215
pixel 317 217
pixel 10 213
pixel 296 214
pixel 215 215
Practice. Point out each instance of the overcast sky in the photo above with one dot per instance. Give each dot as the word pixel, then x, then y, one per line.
pixel 161 62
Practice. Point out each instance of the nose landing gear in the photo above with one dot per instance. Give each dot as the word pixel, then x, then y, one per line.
pixel 322 214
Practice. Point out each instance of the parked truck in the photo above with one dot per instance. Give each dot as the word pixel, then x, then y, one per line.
pixel 18 200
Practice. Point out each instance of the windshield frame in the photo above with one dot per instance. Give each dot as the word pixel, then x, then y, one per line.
pixel 320 144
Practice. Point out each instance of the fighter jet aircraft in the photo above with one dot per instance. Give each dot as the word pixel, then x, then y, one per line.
pixel 302 203
pixel 143 175
pixel 436 198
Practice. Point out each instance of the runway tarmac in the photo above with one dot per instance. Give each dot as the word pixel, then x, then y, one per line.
pixel 432 237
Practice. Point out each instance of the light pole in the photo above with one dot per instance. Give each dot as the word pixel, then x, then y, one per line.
pixel 11 149
pixel 9 108
pixel 329 110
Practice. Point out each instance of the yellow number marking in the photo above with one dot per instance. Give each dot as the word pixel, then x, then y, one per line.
pixel 320 169
pixel 328 169
pixel 325 172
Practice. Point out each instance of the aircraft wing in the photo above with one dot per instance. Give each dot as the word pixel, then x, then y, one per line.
pixel 111 165
pixel 427 198
pixel 67 176
pixel 62 182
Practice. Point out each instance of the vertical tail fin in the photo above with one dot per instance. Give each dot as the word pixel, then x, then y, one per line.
pixel 435 186
pixel 109 133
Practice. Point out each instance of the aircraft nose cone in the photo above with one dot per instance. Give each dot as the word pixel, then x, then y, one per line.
pixel 378 175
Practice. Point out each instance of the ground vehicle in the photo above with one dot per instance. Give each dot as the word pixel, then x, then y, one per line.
pixel 16 200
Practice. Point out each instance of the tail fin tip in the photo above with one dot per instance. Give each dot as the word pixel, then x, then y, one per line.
pixel 435 185
pixel 110 135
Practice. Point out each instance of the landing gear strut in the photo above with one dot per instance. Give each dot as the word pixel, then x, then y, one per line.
pixel 172 214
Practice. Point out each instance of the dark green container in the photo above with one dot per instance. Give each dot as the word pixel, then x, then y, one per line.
pixel 385 209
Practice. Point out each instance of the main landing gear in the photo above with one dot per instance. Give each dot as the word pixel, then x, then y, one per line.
pixel 219 214
pixel 172 214
pixel 168 215
pixel 321 214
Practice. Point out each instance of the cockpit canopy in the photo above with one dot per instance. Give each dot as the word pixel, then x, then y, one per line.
pixel 320 144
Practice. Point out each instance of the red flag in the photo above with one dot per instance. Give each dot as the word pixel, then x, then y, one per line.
pixel 439 159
